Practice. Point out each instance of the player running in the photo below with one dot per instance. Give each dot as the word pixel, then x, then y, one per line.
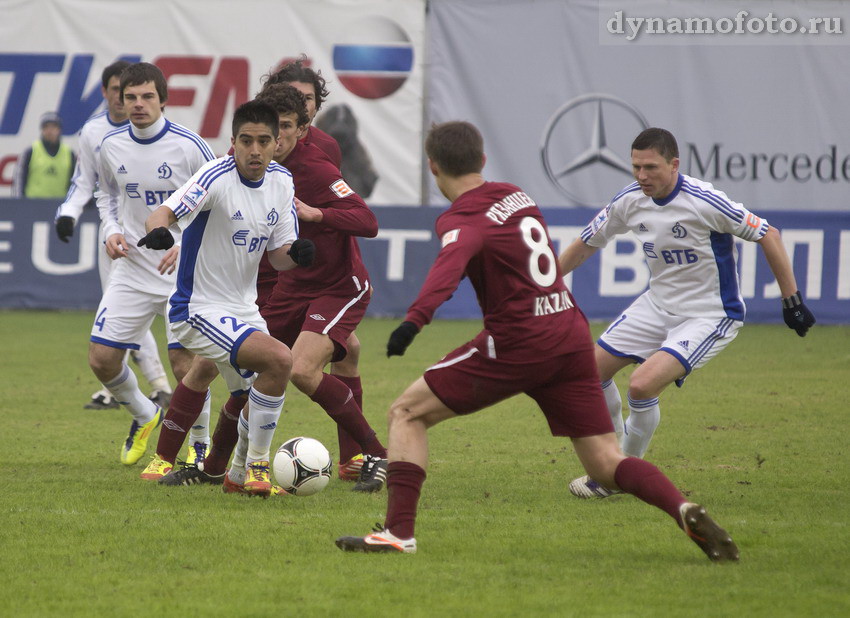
pixel 140 165
pixel 231 212
pixel 535 340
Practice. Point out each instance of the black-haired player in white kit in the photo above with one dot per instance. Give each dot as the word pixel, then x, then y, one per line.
pixel 140 165
pixel 535 340
pixel 231 212
pixel 83 185
pixel 693 308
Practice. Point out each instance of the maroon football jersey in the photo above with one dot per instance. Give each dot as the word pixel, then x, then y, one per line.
pixel 318 183
pixel 325 143
pixel 495 235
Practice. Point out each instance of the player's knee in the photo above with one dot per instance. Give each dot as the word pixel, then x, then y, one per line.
pixel 102 363
pixel 642 387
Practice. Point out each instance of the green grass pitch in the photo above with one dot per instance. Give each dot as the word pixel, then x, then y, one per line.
pixel 759 436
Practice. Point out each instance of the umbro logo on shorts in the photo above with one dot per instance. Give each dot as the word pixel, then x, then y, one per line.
pixel 317 316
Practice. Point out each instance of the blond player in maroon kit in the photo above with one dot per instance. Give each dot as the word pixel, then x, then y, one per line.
pixel 535 340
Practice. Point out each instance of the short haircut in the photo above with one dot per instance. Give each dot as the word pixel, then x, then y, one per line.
pixel 142 73
pixel 285 99
pixel 113 70
pixel 296 71
pixel 659 140
pixel 257 112
pixel 456 147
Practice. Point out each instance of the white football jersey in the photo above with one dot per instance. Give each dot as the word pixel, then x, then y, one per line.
pixel 228 222
pixel 139 169
pixel 687 239
pixel 84 180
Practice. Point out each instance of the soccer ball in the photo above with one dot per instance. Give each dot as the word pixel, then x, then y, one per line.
pixel 302 466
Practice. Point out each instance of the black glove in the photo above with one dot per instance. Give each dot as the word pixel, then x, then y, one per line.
pixel 796 314
pixel 157 238
pixel 302 252
pixel 65 228
pixel 400 338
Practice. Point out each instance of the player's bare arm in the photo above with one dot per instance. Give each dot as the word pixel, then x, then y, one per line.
pixel 796 315
pixel 575 255
pixel 299 253
pixel 777 259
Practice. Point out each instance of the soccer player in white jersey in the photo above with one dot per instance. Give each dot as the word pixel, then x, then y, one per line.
pixel 693 308
pixel 83 184
pixel 140 165
pixel 231 212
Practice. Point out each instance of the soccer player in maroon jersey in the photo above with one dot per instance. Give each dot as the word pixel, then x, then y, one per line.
pixel 316 314
pixel 535 340
pixel 312 85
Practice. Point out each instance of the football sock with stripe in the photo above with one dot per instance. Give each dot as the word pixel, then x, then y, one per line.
pixel 264 412
pixel 125 388
pixel 644 416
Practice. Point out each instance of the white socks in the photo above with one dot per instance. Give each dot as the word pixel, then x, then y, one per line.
pixel 125 388
pixel 615 406
pixel 264 412
pixel 200 431
pixel 645 414
pixel 237 466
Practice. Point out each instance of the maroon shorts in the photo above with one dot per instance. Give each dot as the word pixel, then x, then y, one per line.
pixel 565 387
pixel 335 316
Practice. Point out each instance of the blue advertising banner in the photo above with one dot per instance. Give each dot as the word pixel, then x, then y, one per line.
pixel 38 271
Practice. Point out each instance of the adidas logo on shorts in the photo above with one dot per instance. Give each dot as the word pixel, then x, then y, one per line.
pixel 685 344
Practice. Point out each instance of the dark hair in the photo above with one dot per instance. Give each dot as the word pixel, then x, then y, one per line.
pixel 142 73
pixel 297 71
pixel 258 112
pixel 285 99
pixel 456 147
pixel 659 140
pixel 113 70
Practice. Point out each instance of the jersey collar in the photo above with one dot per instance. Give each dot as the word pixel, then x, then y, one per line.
pixel 673 193
pixel 150 134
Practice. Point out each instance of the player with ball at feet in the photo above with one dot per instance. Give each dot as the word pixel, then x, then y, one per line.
pixel 535 341
pixel 231 211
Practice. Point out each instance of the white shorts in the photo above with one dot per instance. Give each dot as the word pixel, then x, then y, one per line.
pixel 644 328
pixel 217 335
pixel 125 315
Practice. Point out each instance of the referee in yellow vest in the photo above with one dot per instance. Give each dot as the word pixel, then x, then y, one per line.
pixel 44 170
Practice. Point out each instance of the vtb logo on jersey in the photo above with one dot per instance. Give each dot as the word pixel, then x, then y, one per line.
pixel 679 230
pixel 272 218
pixel 164 171
pixel 132 189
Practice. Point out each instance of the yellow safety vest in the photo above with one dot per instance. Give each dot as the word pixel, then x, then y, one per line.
pixel 48 176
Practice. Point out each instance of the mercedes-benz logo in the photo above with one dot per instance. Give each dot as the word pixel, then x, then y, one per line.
pixel 591 176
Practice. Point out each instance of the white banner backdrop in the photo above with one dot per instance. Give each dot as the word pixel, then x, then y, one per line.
pixel 214 53
pixel 560 89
